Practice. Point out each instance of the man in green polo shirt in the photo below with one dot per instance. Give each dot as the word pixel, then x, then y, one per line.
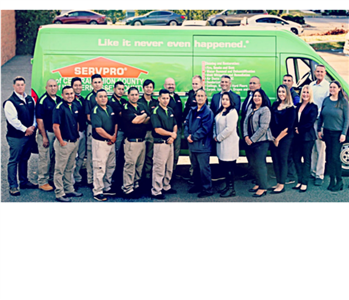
pixel 164 134
pixel 104 131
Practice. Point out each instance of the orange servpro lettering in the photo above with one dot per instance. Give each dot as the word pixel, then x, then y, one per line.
pixel 100 65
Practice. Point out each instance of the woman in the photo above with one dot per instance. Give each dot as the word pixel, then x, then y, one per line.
pixel 257 135
pixel 282 127
pixel 225 134
pixel 334 117
pixel 305 136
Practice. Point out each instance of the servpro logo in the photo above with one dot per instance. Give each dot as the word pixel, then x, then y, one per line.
pixel 100 65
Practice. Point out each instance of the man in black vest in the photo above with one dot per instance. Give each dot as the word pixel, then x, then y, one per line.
pixel 21 125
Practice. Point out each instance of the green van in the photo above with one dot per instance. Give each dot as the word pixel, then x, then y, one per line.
pixel 133 54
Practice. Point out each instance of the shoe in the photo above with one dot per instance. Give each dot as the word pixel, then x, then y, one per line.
pixel 204 194
pixel 297 187
pixel 332 184
pixel 194 190
pixel 289 181
pixel 159 197
pixel 100 197
pixel 337 187
pixel 63 199
pixel 229 193
pixel 318 181
pixel 218 179
pixel 170 191
pixel 278 192
pixel 261 195
pixel 303 190
pixel 223 190
pixel 46 187
pixel 14 192
pixel 253 190
pixel 28 185
pixel 132 195
pixel 110 192
pixel 74 194
pixel 191 180
pixel 186 177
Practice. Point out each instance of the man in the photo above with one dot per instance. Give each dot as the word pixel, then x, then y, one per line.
pixel 150 103
pixel 164 133
pixel 288 80
pixel 76 84
pixel 291 173
pixel 20 117
pixel 216 102
pixel 104 131
pixel 198 132
pixel 66 129
pixel 97 84
pixel 191 101
pixel 117 103
pixel 176 105
pixel 45 136
pixel 320 89
pixel 135 118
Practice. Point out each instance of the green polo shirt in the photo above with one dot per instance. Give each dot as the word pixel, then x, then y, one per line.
pixel 164 119
pixel 103 118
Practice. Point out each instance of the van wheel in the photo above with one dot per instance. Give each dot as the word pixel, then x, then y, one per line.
pixel 137 23
pixel 93 23
pixel 58 22
pixel 344 156
pixel 173 23
pixel 219 23
pixel 294 30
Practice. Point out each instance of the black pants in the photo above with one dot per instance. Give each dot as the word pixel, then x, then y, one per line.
pixel 257 155
pixel 302 149
pixel 333 150
pixel 291 167
pixel 228 169
pixel 202 170
pixel 280 157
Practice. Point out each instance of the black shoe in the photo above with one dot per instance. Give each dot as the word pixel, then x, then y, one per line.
pixel 253 190
pixel 73 194
pixel 289 181
pixel 28 185
pixel 110 192
pixel 229 193
pixel 63 199
pixel 204 194
pixel 297 187
pixel 100 197
pixel 159 197
pixel 132 195
pixel 332 184
pixel 261 195
pixel 337 187
pixel 318 181
pixel 278 192
pixel 170 191
pixel 14 191
pixel 194 190
pixel 303 190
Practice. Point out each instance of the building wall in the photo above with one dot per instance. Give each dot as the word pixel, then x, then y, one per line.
pixel 8 35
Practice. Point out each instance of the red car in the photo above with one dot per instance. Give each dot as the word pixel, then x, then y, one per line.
pixel 80 17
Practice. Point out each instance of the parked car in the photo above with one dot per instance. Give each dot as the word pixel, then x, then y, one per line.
pixel 157 18
pixel 233 17
pixel 80 17
pixel 273 21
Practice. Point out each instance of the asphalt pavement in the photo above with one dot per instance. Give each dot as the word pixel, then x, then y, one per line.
pixel 20 65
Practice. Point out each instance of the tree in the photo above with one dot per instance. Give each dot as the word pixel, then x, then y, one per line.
pixel 114 15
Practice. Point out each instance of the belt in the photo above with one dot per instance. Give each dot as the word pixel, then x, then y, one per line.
pixel 163 142
pixel 70 141
pixel 135 140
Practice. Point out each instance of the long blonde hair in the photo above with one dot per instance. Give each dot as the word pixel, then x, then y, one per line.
pixel 310 90
pixel 288 100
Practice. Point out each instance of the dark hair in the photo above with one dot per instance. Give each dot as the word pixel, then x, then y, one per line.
pixel 197 76
pixel 75 79
pixel 118 83
pixel 94 76
pixel 232 104
pixel 66 88
pixel 225 76
pixel 101 90
pixel 164 91
pixel 264 98
pixel 288 100
pixel 131 89
pixel 342 96
pixel 147 82
pixel 18 78
pixel 288 75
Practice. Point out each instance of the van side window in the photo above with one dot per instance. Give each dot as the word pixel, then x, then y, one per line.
pixel 303 71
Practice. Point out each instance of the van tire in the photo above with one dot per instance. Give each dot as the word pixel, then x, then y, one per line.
pixel 93 23
pixel 172 23
pixel 219 23
pixel 137 23
pixel 294 30
pixel 344 156
pixel 58 22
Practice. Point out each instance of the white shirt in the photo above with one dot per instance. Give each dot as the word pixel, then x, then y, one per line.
pixel 12 115
pixel 320 92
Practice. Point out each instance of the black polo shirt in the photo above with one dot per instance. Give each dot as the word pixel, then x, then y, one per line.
pixel 176 104
pixel 81 101
pixel 134 131
pixel 44 109
pixel 117 106
pixel 67 116
pixel 150 105
pixel 103 118
pixel 90 103
pixel 164 119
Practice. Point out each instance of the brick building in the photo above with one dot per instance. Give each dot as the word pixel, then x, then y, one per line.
pixel 8 35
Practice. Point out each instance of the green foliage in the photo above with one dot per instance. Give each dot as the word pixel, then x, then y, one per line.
pixel 113 15
pixel 275 12
pixel 142 12
pixel 27 25
pixel 294 18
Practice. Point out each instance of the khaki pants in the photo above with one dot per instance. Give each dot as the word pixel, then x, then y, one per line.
pixel 64 166
pixel 46 161
pixel 89 166
pixel 80 157
pixel 103 157
pixel 134 161
pixel 149 145
pixel 162 168
pixel 318 157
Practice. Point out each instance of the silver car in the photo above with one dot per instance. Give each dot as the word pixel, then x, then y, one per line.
pixel 157 18
pixel 233 17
